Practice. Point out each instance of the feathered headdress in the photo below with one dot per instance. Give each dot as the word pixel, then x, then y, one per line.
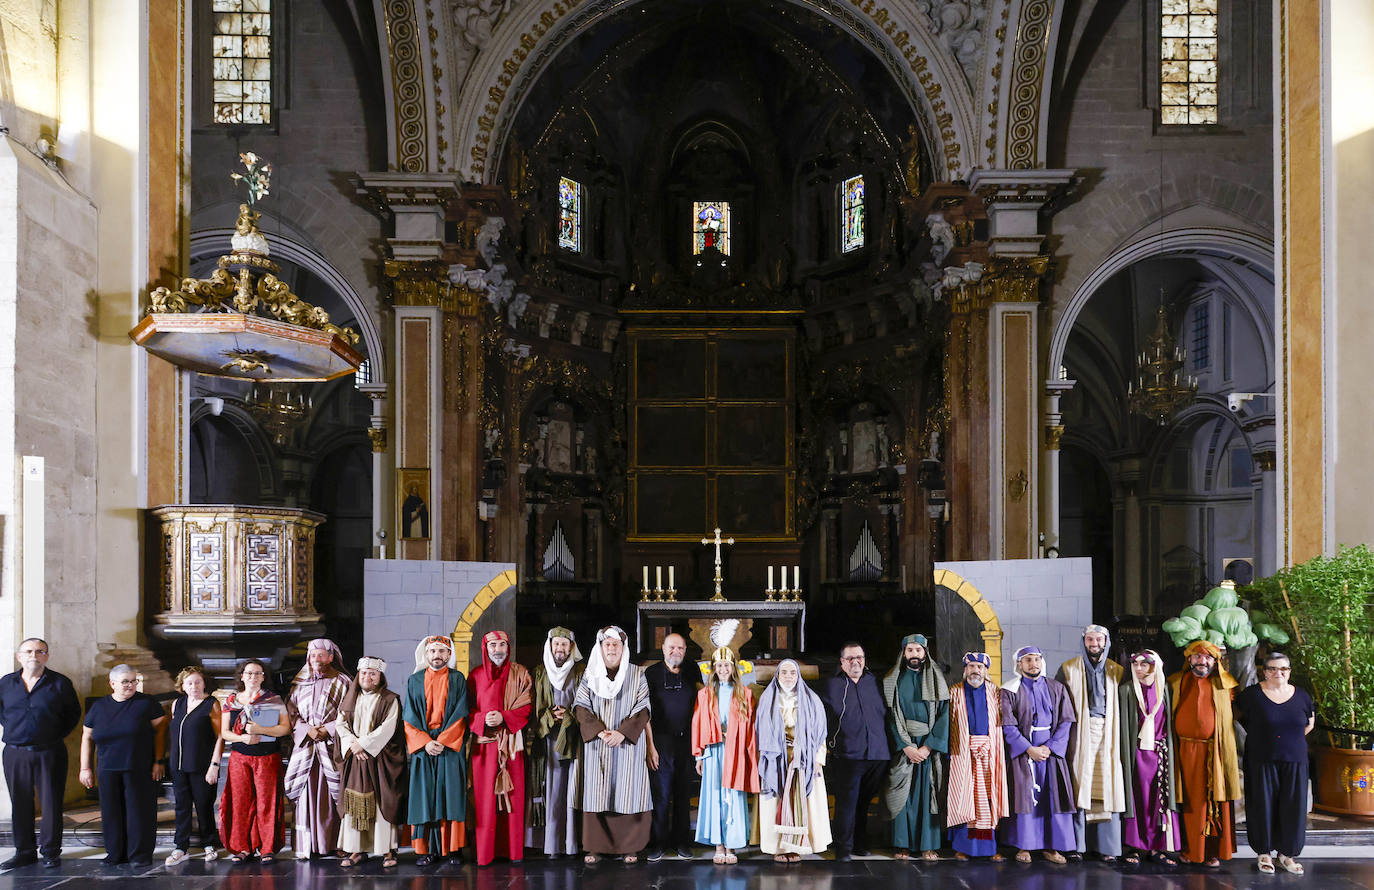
pixel 722 635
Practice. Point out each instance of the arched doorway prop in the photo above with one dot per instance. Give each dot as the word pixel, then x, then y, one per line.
pixel 479 615
pixel 991 635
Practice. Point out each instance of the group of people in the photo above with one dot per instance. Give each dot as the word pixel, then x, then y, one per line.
pixel 604 759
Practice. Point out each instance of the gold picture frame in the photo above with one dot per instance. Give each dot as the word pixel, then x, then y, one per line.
pixel 412 504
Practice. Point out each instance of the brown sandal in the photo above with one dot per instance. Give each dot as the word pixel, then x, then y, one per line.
pixel 352 861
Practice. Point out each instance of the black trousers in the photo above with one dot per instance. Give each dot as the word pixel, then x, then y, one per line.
pixel 128 809
pixel 190 792
pixel 46 772
pixel 854 784
pixel 1276 806
pixel 671 787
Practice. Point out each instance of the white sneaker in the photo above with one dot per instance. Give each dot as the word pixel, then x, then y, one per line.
pixel 177 856
pixel 211 854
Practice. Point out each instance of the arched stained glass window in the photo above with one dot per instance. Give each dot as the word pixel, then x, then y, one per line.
pixel 852 214
pixel 569 214
pixel 1188 62
pixel 242 51
pixel 711 226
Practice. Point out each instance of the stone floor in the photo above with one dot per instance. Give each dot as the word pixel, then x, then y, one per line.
pixel 1326 872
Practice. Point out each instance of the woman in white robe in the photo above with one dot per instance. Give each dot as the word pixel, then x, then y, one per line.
pixel 794 819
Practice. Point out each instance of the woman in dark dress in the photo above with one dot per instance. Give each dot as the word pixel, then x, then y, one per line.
pixel 195 749
pixel 251 805
pixel 125 732
pixel 1277 717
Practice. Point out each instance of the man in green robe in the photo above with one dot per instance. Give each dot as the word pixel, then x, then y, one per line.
pixel 918 724
pixel 435 711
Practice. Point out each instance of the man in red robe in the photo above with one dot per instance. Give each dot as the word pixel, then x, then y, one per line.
pixel 500 694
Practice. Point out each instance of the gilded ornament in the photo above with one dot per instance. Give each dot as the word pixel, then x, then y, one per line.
pixel 377 436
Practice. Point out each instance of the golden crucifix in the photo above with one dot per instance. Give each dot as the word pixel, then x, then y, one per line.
pixel 718 598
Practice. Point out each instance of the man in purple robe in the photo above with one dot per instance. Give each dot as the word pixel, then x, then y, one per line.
pixel 1037 717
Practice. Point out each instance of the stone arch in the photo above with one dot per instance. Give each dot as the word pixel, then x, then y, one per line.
pixel 992 627
pixel 1227 243
pixel 899 35
pixel 467 622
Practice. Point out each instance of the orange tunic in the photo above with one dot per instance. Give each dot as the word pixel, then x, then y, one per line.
pixel 1195 723
pixel 741 767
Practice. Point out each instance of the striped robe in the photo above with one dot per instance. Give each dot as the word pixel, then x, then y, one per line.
pixel 614 780
pixel 961 808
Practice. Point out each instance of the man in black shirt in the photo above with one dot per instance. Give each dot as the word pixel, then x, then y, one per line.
pixel 857 716
pixel 38 710
pixel 672 696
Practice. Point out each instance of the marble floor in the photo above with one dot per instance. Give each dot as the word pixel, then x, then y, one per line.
pixel 1327 872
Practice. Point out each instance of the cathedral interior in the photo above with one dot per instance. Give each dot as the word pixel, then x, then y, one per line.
pixel 867 288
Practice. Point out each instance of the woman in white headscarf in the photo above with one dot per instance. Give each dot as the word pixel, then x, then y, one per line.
pixel 793 817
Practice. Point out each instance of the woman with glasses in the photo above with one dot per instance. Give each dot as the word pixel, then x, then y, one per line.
pixel 1277 717
pixel 250 809
pixel 125 729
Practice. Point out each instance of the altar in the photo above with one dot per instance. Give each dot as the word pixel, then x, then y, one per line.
pixel 768 630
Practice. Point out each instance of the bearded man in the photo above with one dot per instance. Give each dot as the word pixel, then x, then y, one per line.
pixel 1208 771
pixel 435 711
pixel 1037 718
pixel 1093 681
pixel 556 745
pixel 500 693
pixel 977 798
pixel 312 781
pixel 918 727
pixel 369 752
pixel 612 709
pixel 672 697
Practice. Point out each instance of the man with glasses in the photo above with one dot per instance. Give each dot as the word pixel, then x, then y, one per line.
pixel 38 710
pixel 857 717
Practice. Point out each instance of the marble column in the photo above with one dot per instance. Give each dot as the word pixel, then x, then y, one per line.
pixel 1055 389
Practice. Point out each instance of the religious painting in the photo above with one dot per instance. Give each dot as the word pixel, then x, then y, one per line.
pixel 852 214
pixel 751 436
pixel 751 368
pixel 711 226
pixel 670 436
pixel 752 503
pixel 670 504
pixel 670 368
pixel 558 448
pixel 864 454
pixel 412 496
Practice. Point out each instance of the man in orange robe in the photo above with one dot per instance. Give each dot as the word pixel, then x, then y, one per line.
pixel 435 714
pixel 1208 773
pixel 499 693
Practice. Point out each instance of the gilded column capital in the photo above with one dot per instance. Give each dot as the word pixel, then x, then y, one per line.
pixel 377 436
pixel 1053 433
pixel 1001 279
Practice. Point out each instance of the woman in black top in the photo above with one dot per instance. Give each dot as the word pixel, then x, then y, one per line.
pixel 125 729
pixel 1277 717
pixel 250 809
pixel 195 751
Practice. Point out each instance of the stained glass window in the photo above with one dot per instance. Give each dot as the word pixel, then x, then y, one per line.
pixel 1188 62
pixel 711 226
pixel 569 214
pixel 242 52
pixel 852 214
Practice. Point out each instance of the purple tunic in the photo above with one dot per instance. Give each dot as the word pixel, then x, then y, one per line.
pixel 1039 714
pixel 1146 829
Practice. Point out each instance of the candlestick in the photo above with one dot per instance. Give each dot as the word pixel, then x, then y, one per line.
pixel 796 576
pixel 658 577
pixel 770 579
pixel 646 577
pixel 671 585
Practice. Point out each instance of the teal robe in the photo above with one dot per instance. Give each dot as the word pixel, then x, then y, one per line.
pixel 920 824
pixel 438 784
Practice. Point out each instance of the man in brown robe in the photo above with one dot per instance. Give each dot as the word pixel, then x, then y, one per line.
pixel 1208 773
pixel 370 754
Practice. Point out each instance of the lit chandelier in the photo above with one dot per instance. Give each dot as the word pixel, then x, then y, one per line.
pixel 280 408
pixel 1160 389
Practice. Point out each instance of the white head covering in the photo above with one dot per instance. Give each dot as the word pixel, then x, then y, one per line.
pixel 421 663
pixel 1146 736
pixel 596 677
pixel 559 675
pixel 370 663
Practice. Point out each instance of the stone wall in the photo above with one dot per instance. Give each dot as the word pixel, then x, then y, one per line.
pixel 406 600
pixel 1039 602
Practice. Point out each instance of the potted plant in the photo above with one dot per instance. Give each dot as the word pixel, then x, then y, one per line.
pixel 1328 605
